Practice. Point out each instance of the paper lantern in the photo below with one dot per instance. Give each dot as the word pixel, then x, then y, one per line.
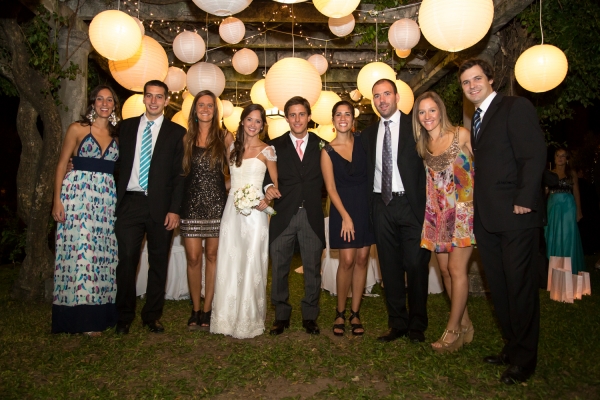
pixel 115 35
pixel 227 108
pixel 220 108
pixel 140 25
pixel 356 112
pixel 404 34
pixel 291 77
pixel 407 97
pixel 276 127
pixel 336 8
pixel 321 111
pixel 133 106
pixel 402 53
pixel 150 62
pixel 326 132
pixel 290 1
pixel 371 73
pixel 233 121
pixel 222 8
pixel 175 79
pixel 186 106
pixel 205 76
pixel 189 47
pixel 186 93
pixel 319 62
pixel 232 30
pixel 259 96
pixel 355 95
pixel 454 25
pixel 245 61
pixel 180 119
pixel 342 26
pixel 541 68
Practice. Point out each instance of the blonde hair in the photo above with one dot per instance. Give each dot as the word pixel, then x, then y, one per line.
pixel 419 132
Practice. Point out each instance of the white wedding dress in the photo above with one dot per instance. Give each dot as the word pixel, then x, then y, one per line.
pixel 239 305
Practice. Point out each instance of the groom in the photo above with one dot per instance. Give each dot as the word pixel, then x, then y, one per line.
pixel 299 215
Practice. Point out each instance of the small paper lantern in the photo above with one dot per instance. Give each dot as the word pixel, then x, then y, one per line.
pixel 220 108
pixel 259 96
pixel 227 108
pixel 454 25
pixel 342 26
pixel 326 132
pixel 336 8
pixel 356 112
pixel 175 79
pixel 186 93
pixel 541 68
pixel 321 111
pixel 319 62
pixel 355 95
pixel 407 97
pixel 371 73
pixel 245 61
pixel 189 47
pixel 233 121
pixel 291 77
pixel 133 106
pixel 276 127
pixel 205 76
pixel 141 25
pixel 404 34
pixel 232 30
pixel 115 35
pixel 222 8
pixel 180 119
pixel 402 53
pixel 150 62
pixel 186 106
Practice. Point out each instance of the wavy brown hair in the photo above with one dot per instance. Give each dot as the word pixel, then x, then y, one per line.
pixel 419 132
pixel 237 154
pixel 215 142
pixel 92 100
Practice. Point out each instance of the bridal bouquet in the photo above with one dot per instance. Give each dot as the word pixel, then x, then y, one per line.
pixel 246 198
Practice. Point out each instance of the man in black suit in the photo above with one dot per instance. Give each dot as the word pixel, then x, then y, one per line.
pixel 510 157
pixel 397 198
pixel 299 215
pixel 149 197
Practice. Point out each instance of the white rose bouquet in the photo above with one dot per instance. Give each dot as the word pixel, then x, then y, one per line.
pixel 246 198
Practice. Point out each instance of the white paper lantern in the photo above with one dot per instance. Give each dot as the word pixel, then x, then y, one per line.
pixel 276 127
pixel 222 8
pixel 227 108
pixel 232 30
pixel 245 61
pixel 259 96
pixel 371 73
pixel 355 95
pixel 189 47
pixel 326 132
pixel 220 108
pixel 186 93
pixel 407 97
pixel 133 106
pixel 175 79
pixel 290 1
pixel 319 62
pixel 186 106
pixel 233 121
pixel 115 35
pixel 541 68
pixel 342 26
pixel 321 111
pixel 291 77
pixel 336 8
pixel 356 112
pixel 205 76
pixel 402 53
pixel 141 25
pixel 404 34
pixel 150 62
pixel 454 25
pixel 179 118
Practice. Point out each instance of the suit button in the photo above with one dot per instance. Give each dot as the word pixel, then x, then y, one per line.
pixel 474 149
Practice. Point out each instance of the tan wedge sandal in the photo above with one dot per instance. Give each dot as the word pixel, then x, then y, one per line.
pixel 449 347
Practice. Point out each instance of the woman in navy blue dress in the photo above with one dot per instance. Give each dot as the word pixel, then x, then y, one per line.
pixel 344 167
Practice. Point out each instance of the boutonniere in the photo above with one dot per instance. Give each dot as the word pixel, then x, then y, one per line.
pixel 321 145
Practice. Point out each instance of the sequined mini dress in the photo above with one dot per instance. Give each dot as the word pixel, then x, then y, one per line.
pixel 204 197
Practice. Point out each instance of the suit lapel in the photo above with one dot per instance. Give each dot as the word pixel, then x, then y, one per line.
pixel 489 113
pixel 373 143
pixel 129 158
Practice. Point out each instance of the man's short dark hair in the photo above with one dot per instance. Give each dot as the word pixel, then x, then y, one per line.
pixel 156 82
pixel 294 101
pixel 485 66
pixel 391 82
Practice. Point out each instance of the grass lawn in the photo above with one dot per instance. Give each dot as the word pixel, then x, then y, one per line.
pixel 182 364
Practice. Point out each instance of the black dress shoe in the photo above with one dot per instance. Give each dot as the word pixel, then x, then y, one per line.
pixel 122 328
pixel 311 326
pixel 154 326
pixel 278 326
pixel 416 336
pixel 392 335
pixel 500 359
pixel 515 374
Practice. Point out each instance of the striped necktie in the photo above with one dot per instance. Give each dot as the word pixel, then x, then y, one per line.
pixel 476 123
pixel 387 167
pixel 146 155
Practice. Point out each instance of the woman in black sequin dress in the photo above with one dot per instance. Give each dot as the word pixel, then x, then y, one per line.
pixel 204 160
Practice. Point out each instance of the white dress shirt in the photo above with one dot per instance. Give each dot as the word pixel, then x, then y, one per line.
pixel 295 139
pixel 394 125
pixel 134 179
pixel 486 104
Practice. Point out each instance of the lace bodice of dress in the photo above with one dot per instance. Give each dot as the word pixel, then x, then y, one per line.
pixel 565 185
pixel 251 171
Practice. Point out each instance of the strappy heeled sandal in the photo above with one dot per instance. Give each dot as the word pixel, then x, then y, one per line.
pixel 449 347
pixel 340 327
pixel 356 327
pixel 468 332
pixel 205 321
pixel 194 321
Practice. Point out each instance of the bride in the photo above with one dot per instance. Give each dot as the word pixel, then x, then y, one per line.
pixel 239 305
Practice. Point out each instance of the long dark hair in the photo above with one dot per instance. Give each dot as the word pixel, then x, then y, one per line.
pixel 237 154
pixel 92 100
pixel 215 144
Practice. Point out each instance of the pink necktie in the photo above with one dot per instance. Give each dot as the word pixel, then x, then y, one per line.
pixel 299 149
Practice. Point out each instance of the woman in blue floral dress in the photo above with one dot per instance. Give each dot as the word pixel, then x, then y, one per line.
pixel 84 209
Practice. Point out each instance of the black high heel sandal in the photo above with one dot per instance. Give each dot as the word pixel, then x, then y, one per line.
pixel 355 327
pixel 205 321
pixel 342 326
pixel 194 321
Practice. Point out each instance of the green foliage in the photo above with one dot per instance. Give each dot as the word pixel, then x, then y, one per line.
pixel 7 88
pixel 13 238
pixel 450 91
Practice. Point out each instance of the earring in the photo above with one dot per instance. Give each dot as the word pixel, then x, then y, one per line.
pixel 353 129
pixel 91 116
pixel 113 119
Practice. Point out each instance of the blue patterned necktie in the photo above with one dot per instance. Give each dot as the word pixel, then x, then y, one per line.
pixel 146 155
pixel 476 123
pixel 386 165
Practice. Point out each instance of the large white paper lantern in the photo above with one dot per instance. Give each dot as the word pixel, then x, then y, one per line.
pixel 541 68
pixel 245 61
pixel 326 132
pixel 371 73
pixel 290 1
pixel 222 8
pixel 148 63
pixel 233 121
pixel 404 34
pixel 141 25
pixel 175 79
pixel 205 76
pixel 291 77
pixel 180 118
pixel 319 62
pixel 227 108
pixel 321 111
pixel 355 95
pixel 259 95
pixel 220 108
pixel 454 25
pixel 402 53
pixel 115 35
pixel 133 106
pixel 336 8
pixel 186 106
pixel 277 126
pixel 189 47
pixel 407 97
pixel 186 93
pixel 342 26
pixel 232 30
